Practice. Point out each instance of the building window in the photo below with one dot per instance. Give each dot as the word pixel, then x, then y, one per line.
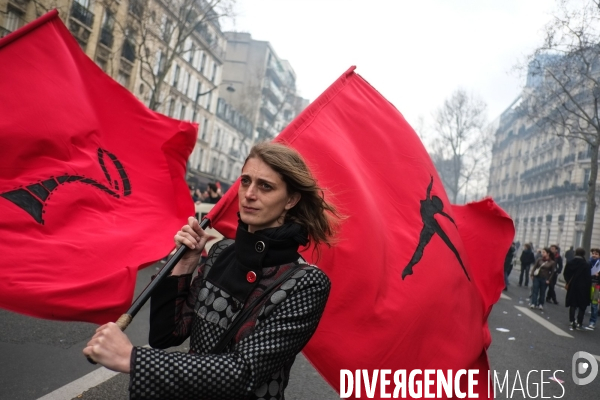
pixel 176 75
pixel 182 112
pixel 167 30
pixel 159 67
pixel 578 238
pixel 213 75
pixel 128 51
pixel 582 208
pixel 123 78
pixel 217 139
pixel 204 129
pixel 186 82
pixel 102 63
pixel 202 62
pixel 106 32
pixel 200 160
pixel 208 101
pixel 171 108
pixel 13 20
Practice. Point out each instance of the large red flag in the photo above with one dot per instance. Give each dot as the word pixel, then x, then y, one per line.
pixel 91 181
pixel 379 314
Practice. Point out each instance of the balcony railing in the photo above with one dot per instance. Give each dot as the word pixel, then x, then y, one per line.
pixel 569 158
pixel 275 93
pixel 210 39
pixel 106 37
pixel 230 115
pixel 270 108
pixel 82 14
pixel 584 155
pixel 555 190
pixel 545 167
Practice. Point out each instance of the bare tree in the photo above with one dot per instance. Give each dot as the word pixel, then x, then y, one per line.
pixel 461 143
pixel 161 35
pixel 562 91
pixel 155 32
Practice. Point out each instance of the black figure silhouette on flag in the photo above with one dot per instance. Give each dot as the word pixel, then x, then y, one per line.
pixel 32 198
pixel 429 208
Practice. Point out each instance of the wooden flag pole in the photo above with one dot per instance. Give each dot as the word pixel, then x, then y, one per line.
pixel 125 319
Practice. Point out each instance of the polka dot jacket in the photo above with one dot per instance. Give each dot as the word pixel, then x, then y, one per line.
pixel 256 364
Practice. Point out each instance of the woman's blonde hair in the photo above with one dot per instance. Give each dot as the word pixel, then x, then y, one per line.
pixel 319 217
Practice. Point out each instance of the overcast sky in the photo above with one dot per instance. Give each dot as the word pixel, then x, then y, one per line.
pixel 415 52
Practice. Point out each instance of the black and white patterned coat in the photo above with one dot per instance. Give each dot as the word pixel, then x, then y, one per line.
pixel 257 363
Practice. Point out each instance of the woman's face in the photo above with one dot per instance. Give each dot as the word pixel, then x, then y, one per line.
pixel 263 196
pixel 544 255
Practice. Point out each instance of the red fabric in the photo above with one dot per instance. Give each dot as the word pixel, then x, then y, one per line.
pixel 71 249
pixel 377 172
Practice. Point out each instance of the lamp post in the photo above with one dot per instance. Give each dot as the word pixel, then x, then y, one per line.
pixel 230 89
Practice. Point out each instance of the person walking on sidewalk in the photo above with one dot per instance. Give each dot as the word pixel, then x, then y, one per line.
pixel 569 254
pixel 508 264
pixel 579 279
pixel 542 273
pixel 595 287
pixel 527 258
pixel 551 298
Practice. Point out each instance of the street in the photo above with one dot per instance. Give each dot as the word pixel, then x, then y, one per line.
pixel 43 359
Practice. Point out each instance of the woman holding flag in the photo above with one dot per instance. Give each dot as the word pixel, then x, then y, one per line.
pixel 252 307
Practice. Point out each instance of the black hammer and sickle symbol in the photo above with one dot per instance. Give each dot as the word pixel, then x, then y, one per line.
pixel 32 198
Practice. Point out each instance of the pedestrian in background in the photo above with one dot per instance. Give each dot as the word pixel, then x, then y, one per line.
pixel 569 254
pixel 579 280
pixel 541 274
pixel 527 258
pixel 595 287
pixel 551 298
pixel 508 264
pixel 538 254
pixel 213 194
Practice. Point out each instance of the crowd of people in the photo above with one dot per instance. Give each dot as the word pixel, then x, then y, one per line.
pixel 211 194
pixel 581 277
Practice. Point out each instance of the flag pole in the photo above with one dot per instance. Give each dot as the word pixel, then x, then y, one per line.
pixel 125 319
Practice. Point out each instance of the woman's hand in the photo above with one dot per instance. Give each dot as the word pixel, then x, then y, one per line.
pixel 111 348
pixel 195 238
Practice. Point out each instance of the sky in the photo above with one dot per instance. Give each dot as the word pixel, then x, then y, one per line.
pixel 415 53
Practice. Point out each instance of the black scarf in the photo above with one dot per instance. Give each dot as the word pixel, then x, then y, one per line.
pixel 253 253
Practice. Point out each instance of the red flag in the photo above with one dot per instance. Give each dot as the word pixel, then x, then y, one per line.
pixel 378 173
pixel 91 181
